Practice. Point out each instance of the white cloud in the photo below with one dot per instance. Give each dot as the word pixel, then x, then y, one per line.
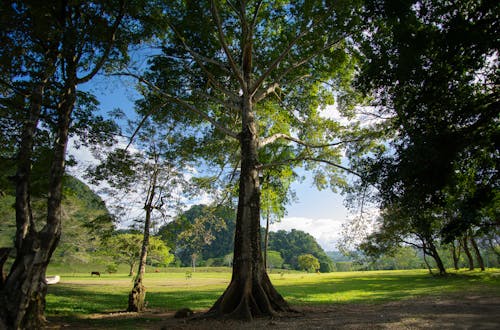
pixel 326 231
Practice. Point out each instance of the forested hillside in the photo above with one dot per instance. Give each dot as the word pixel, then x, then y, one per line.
pixel 208 233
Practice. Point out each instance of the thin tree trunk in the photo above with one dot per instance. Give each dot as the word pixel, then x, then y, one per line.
pixel 467 253
pixel 479 258
pixel 437 258
pixel 131 271
pixel 455 253
pixel 193 261
pixel 137 297
pixel 4 255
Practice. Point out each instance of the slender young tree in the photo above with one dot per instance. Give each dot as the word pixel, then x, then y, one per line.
pixel 154 170
pixel 254 75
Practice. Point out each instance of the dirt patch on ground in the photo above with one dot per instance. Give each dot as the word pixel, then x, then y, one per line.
pixel 444 312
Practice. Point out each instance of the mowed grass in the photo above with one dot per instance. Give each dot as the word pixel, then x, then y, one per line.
pixel 79 295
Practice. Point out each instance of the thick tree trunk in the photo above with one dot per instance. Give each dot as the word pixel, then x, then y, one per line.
pixel 250 292
pixel 465 245
pixel 479 258
pixel 23 294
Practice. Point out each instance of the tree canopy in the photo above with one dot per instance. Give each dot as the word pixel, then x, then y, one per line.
pixel 431 69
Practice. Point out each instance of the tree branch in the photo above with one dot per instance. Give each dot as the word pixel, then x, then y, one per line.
pixel 111 42
pixel 260 94
pixel 222 40
pixel 256 14
pixel 306 158
pixel 198 60
pixel 265 141
pixel 184 104
pixel 276 62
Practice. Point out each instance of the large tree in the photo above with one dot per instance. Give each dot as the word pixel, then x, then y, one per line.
pixel 48 49
pixel 431 68
pixel 251 76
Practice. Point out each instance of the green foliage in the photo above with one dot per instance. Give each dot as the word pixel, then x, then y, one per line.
pixel 202 229
pixel 308 262
pixel 274 259
pixel 126 248
pixel 431 68
pixel 111 268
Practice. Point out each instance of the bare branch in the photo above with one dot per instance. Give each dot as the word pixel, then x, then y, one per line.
pixel 222 40
pixel 307 158
pixel 260 94
pixel 256 14
pixel 143 120
pixel 276 62
pixel 111 42
pixel 199 60
pixel 184 104
pixel 281 136
pixel 16 90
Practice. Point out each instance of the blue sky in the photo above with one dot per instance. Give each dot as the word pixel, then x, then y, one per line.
pixel 319 213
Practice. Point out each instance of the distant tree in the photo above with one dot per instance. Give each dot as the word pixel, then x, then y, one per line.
pixel 126 248
pixel 223 238
pixel 274 259
pixel 308 262
pixel 200 234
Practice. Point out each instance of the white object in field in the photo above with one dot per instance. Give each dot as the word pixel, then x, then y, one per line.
pixel 52 279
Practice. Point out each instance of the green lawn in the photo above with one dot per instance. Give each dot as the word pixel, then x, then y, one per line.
pixel 78 295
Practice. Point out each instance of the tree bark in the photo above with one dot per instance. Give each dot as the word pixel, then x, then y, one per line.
pixel 137 297
pixel 479 258
pixel 437 258
pixel 467 252
pixel 455 253
pixel 266 239
pixel 250 292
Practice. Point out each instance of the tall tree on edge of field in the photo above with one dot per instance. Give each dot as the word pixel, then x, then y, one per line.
pixel 53 47
pixel 259 72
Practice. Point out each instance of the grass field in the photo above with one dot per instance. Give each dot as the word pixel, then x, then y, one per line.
pixel 79 295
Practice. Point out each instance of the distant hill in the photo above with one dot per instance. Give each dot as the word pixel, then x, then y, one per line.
pixel 337 256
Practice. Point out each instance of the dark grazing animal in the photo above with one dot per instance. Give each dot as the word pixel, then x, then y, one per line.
pixel 95 273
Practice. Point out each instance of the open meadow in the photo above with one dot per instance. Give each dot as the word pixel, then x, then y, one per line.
pixel 377 299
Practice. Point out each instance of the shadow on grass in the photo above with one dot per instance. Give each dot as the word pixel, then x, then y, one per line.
pixel 77 302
